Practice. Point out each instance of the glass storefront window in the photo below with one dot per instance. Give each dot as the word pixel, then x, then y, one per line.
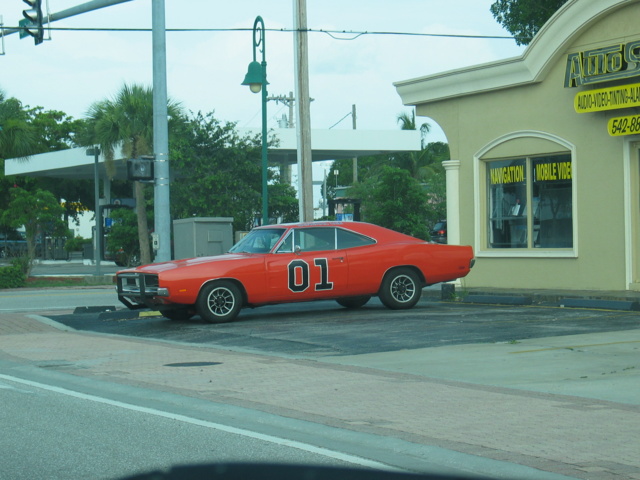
pixel 508 203
pixel 530 202
pixel 552 202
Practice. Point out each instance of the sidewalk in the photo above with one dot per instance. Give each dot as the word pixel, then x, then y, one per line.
pixel 444 397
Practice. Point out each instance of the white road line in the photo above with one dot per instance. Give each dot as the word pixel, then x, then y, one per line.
pixel 363 462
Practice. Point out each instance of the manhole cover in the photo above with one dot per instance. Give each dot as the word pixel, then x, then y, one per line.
pixel 192 364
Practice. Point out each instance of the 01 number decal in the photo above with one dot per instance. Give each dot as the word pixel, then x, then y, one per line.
pixel 299 275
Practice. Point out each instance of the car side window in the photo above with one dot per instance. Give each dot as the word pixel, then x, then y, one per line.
pixel 347 239
pixel 316 239
pixel 287 245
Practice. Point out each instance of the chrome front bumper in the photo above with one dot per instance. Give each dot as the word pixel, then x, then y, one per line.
pixel 139 290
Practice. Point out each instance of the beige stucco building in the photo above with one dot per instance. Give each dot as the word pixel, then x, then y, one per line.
pixel 545 176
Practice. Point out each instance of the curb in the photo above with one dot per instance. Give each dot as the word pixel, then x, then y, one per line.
pixel 600 304
pixel 623 301
pixel 499 299
pixel 125 314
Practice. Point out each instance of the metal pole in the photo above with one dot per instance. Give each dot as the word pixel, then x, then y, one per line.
pixel 161 134
pixel 97 254
pixel 73 11
pixel 265 201
pixel 355 159
pixel 258 27
pixel 305 173
pixel 324 195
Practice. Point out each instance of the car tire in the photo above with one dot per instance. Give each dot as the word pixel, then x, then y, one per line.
pixel 219 302
pixel 177 314
pixel 400 289
pixel 354 302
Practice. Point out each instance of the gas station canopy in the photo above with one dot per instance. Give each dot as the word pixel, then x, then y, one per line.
pixel 76 163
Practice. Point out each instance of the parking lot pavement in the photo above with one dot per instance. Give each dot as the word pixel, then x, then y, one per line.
pixel 413 396
pixel 604 365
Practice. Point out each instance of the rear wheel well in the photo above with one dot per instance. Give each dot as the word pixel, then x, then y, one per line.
pixel 415 269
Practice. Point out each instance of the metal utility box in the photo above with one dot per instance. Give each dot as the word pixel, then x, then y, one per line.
pixel 202 236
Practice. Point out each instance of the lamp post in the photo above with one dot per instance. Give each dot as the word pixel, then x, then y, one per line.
pixel 95 152
pixel 256 78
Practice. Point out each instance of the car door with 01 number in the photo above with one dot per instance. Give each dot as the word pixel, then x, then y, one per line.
pixel 307 266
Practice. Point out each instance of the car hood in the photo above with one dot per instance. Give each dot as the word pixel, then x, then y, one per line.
pixel 189 262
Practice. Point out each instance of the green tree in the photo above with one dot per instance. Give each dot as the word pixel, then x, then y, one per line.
pixel 421 164
pixel 17 136
pixel 283 202
pixel 54 130
pixel 219 174
pixel 122 239
pixel 523 18
pixel 126 121
pixel 435 180
pixel 17 139
pixel 26 131
pixel 395 200
pixel 424 166
pixel 39 212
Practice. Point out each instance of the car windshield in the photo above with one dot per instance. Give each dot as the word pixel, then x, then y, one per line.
pixel 258 241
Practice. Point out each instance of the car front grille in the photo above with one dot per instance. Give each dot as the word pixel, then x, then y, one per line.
pixel 137 284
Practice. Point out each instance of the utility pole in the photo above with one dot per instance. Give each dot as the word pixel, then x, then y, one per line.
pixel 355 159
pixel 161 134
pixel 305 175
pixel 289 102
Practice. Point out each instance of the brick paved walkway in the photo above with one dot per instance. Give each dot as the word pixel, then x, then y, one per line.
pixel 574 436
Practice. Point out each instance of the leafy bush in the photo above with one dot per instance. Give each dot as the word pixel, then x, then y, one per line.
pixel 76 244
pixel 12 276
pixel 22 263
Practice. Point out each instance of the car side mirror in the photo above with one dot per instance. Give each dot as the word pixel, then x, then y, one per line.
pixel 297 250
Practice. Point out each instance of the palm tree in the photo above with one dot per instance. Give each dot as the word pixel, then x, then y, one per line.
pixel 17 138
pixel 126 121
pixel 409 123
pixel 417 163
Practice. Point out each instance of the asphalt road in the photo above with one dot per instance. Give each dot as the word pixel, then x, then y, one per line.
pixel 52 299
pixel 50 432
pixel 319 329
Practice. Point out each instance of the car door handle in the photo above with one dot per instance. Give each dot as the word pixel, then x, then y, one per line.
pixel 338 258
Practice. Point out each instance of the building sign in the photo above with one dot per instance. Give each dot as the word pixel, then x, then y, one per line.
pixel 551 171
pixel 623 96
pixel 629 125
pixel 506 175
pixel 605 64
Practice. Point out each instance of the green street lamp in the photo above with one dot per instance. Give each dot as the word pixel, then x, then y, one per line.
pixel 256 78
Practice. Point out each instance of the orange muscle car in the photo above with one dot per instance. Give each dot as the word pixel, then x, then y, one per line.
pixel 344 261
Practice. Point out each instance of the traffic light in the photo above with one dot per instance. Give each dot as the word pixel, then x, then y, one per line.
pixel 32 23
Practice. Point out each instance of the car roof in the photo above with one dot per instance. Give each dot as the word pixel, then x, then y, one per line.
pixel 368 229
pixel 328 223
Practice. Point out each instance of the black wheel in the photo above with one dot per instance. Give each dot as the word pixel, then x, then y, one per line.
pixel 354 302
pixel 400 289
pixel 179 314
pixel 219 302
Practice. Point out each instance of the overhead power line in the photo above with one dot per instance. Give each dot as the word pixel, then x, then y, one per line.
pixel 353 35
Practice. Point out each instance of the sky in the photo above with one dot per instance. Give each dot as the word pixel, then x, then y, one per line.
pixel 205 69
